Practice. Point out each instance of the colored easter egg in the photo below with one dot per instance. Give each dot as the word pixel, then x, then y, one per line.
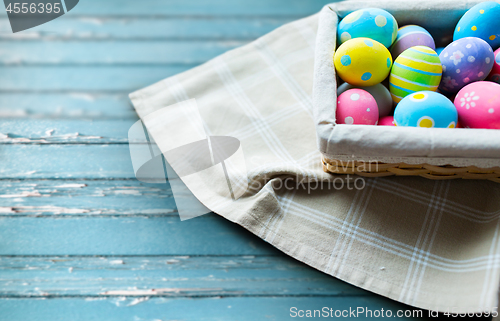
pixel 464 61
pixel 356 107
pixel 373 23
pixel 482 21
pixel 426 109
pixel 495 71
pixel 362 62
pixel 478 105
pixel 386 121
pixel 379 92
pixel 416 69
pixel 410 36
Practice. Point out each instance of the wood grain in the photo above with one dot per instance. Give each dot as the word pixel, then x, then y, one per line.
pixel 167 276
pixel 64 131
pixel 33 107
pixel 86 198
pixel 65 161
pixel 151 28
pixel 83 79
pixel 199 309
pixel 219 8
pixel 133 235
pixel 138 52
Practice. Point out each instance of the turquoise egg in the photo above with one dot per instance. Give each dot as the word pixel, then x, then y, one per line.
pixel 426 109
pixel 373 23
pixel 481 21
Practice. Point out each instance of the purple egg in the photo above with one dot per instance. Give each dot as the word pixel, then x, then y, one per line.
pixel 464 61
pixel 411 36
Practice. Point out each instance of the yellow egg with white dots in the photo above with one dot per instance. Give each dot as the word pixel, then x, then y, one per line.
pixel 362 62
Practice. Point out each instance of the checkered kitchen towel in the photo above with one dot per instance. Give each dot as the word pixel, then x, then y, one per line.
pixel 431 244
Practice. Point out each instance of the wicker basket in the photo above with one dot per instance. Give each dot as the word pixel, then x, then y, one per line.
pixel 378 169
pixel 433 153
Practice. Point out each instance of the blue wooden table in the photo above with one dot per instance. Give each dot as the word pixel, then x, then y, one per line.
pixel 80 237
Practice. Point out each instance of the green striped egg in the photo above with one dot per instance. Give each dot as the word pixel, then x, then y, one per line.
pixel 416 69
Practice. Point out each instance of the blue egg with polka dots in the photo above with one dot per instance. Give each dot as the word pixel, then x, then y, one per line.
pixel 481 21
pixel 426 109
pixel 465 61
pixel 373 23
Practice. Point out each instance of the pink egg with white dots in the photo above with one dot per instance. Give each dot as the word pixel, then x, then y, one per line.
pixel 495 72
pixel 478 105
pixel 386 121
pixel 357 107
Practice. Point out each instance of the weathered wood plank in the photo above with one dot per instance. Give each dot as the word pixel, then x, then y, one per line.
pixel 169 276
pixel 151 52
pixel 79 105
pixel 53 131
pixel 101 79
pixel 126 28
pixel 200 309
pixel 85 198
pixel 199 8
pixel 65 161
pixel 143 221
pixel 137 235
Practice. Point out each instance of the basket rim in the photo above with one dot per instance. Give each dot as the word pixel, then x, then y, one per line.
pixel 433 143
